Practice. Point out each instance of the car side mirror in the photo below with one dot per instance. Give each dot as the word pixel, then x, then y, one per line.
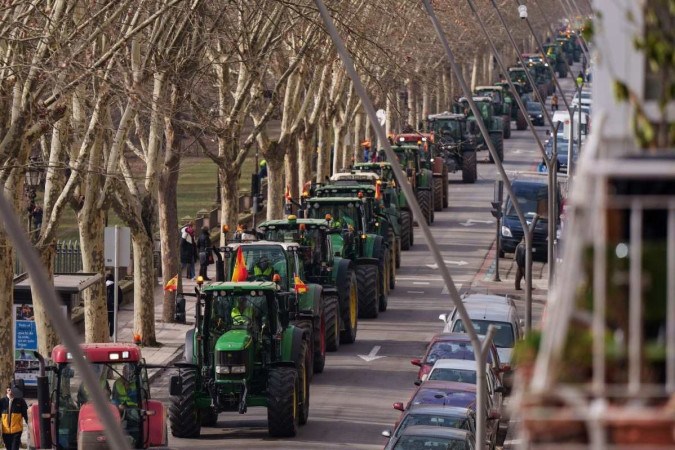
pixel 398 406
pixel 505 367
pixel 386 433
pixel 417 382
pixel 500 389
pixel 416 362
pixel 443 317
pixel 176 386
pixel 494 415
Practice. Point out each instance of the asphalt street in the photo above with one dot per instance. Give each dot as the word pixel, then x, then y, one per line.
pixel 351 402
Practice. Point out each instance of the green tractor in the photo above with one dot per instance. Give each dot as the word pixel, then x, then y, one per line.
pixel 244 351
pixel 419 176
pixel 264 260
pixel 517 74
pixel 516 113
pixel 555 58
pixel 493 123
pixel 432 160
pixel 501 106
pixel 368 251
pixel 394 201
pixel 567 48
pixel 454 138
pixel 335 273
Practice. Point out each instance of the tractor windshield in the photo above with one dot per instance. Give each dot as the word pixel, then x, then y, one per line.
pixel 240 311
pixel 448 128
pixel 295 234
pixel 125 384
pixel 343 214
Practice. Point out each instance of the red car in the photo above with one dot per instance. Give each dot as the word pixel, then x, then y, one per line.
pixel 454 346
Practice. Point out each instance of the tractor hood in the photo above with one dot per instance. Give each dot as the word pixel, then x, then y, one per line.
pixel 234 340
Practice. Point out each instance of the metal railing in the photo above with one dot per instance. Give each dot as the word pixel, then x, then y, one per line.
pixel 68 258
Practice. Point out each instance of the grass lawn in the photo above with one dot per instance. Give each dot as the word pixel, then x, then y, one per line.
pixel 196 191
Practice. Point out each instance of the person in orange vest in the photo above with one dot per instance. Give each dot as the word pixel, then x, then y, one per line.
pixel 13 411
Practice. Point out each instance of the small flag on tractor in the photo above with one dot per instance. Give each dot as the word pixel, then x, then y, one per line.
pixel 239 273
pixel 378 190
pixel 300 287
pixel 287 195
pixel 172 284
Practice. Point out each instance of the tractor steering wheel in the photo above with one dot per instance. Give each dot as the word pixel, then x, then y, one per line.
pixel 241 320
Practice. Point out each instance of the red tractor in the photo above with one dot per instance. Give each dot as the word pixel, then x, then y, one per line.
pixel 71 421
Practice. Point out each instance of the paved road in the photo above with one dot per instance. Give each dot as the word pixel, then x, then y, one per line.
pixel 351 402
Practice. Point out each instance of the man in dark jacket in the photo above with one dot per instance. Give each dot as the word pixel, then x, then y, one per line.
pixel 110 300
pixel 204 248
pixel 520 262
pixel 13 412
pixel 188 250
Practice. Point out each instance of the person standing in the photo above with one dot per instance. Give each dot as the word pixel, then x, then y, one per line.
pixel 13 412
pixel 188 250
pixel 204 248
pixel 110 300
pixel 554 102
pixel 520 262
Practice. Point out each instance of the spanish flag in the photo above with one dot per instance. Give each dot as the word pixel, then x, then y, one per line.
pixel 172 284
pixel 287 195
pixel 300 287
pixel 240 273
pixel 378 190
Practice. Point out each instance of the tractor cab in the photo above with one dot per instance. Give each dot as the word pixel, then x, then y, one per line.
pixel 346 216
pixel 267 261
pixel 122 375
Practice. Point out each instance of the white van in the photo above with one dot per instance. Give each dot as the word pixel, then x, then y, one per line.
pixel 564 130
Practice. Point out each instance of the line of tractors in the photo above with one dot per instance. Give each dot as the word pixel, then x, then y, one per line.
pixel 259 339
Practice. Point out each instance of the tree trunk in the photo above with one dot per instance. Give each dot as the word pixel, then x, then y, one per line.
pixel 229 194
pixel 387 112
pixel 47 336
pixel 412 110
pixel 337 148
pixel 425 106
pixel 474 71
pixel 446 92
pixel 323 157
pixel 144 288
pixel 6 309
pixel 357 154
pixel 291 170
pixel 168 232
pixel 275 182
pixel 305 154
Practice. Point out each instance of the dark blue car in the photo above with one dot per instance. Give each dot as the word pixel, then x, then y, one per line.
pixel 563 145
pixel 532 196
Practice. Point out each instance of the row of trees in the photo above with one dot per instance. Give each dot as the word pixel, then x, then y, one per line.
pixel 110 95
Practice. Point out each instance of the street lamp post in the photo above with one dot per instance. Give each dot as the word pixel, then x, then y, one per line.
pixel 32 181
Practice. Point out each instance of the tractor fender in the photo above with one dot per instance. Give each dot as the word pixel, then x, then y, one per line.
pixel 438 166
pixel 379 246
pixel 424 180
pixel 291 344
pixel 372 245
pixel 498 123
pixel 310 301
pixel 341 269
pixel 189 350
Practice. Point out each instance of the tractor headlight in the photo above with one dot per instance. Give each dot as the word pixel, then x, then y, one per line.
pixel 238 369
pixel 222 369
pixel 506 231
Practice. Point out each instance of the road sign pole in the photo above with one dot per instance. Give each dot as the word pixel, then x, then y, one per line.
pixel 115 281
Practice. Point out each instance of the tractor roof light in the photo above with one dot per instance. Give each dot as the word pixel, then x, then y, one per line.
pixel 329 217
pixel 226 228
pixel 401 139
pixel 276 278
pixel 363 236
pixel 200 280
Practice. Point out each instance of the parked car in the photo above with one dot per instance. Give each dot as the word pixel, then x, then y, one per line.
pixel 536 113
pixel 463 371
pixel 485 310
pixel 432 415
pixel 562 159
pixel 532 196
pixel 453 346
pixel 421 437
pixel 448 393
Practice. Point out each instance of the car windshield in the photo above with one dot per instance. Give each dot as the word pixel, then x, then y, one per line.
pixel 503 331
pixel 434 420
pixel 534 107
pixel 458 375
pixel 451 350
pixel 533 199
pixel 430 442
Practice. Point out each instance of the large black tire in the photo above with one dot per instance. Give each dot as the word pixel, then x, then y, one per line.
pixel 521 123
pixel 320 324
pixel 406 230
pixel 446 203
pixel 398 252
pixel 332 313
pixel 183 412
pixel 424 199
pixel 384 271
pixel 282 398
pixel 368 281
pixel 349 308
pixel 304 367
pixel 308 327
pixel 498 142
pixel 507 127
pixel 469 167
pixel 438 194
pixel 209 417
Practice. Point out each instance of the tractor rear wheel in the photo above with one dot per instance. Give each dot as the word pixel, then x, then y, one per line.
pixel 469 167
pixel 445 186
pixel 282 402
pixel 424 199
pixel 368 281
pixel 406 230
pixel 304 367
pixel 384 271
pixel 438 194
pixel 398 252
pixel 349 308
pixel 183 412
pixel 307 326
pixel 331 309
pixel 320 330
pixel 498 141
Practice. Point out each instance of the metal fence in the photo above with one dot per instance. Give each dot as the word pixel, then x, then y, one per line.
pixel 68 258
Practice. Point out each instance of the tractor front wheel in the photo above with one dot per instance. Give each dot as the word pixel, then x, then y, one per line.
pixel 368 281
pixel 469 167
pixel 282 402
pixel 349 308
pixel 331 309
pixel 424 200
pixel 183 412
pixel 438 194
pixel 406 230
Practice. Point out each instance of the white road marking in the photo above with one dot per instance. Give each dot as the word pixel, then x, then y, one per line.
pixel 372 355
pixel 423 283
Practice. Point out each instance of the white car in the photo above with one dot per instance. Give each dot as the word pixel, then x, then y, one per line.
pixel 485 310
